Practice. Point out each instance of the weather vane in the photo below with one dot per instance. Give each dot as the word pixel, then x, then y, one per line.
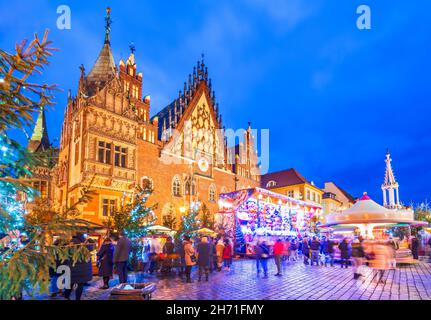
pixel 132 47
pixel 108 22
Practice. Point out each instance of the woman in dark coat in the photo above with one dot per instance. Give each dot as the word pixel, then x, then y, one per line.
pixel 81 272
pixel 105 258
pixel 345 256
pixel 203 257
pixel 305 250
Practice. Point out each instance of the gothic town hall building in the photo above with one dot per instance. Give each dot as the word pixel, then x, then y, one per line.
pixel 110 139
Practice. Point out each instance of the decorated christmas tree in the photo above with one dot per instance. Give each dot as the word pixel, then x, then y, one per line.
pixel 207 218
pixel 133 217
pixel 189 224
pixel 27 252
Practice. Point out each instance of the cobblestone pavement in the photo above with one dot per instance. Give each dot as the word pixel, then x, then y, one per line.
pixel 299 282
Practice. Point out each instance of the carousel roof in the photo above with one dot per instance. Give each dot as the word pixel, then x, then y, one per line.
pixel 367 211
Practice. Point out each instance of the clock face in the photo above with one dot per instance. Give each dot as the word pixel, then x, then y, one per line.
pixel 203 165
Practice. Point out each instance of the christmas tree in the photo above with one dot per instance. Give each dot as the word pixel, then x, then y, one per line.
pixel 24 265
pixel 189 224
pixel 207 218
pixel 134 218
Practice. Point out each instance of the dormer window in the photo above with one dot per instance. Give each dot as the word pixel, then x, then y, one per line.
pixel 271 184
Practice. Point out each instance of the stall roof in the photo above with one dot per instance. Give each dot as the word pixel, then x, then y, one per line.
pixel 237 198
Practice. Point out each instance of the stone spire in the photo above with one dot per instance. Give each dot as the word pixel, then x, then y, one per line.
pixel 39 139
pixel 390 186
pixel 104 67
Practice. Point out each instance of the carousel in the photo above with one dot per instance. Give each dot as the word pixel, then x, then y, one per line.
pixel 371 221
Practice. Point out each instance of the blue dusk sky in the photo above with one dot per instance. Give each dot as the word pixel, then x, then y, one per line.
pixel 333 97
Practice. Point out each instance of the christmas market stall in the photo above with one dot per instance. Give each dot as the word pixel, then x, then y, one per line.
pixel 251 214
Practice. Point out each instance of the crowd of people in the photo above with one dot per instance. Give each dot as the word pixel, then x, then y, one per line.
pixel 214 254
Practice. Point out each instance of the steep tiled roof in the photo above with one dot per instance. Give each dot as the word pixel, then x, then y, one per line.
pixel 104 68
pixel 39 139
pixel 170 115
pixel 283 178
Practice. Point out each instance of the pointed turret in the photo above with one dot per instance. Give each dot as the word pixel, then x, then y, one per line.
pixel 39 140
pixel 104 68
pixel 390 185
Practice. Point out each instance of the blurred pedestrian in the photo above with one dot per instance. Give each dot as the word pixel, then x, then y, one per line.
pixel 168 250
pixel 211 253
pixel 305 250
pixel 203 255
pixel 278 250
pixel 315 248
pixel 146 257
pixel 262 256
pixel 155 250
pixel 415 248
pixel 358 255
pixel 190 257
pixel 219 254
pixel 105 261
pixel 121 256
pixel 345 256
pixel 227 255
pixel 179 249
pixel 81 271
pixel 53 288
pixel 380 260
pixel 293 250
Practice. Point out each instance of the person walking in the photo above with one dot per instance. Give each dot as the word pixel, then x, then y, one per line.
pixel 179 249
pixel 211 254
pixel 146 256
pixel 278 250
pixel 121 256
pixel 358 255
pixel 219 254
pixel 227 255
pixel 105 261
pixel 81 272
pixel 293 250
pixel 190 258
pixel 262 255
pixel 380 260
pixel 415 248
pixel 168 250
pixel 204 261
pixel 315 248
pixel 305 250
pixel 344 248
pixel 155 250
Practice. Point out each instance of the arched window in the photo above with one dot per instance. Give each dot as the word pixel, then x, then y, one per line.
pixel 176 186
pixel 271 184
pixel 147 183
pixel 190 186
pixel 212 193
